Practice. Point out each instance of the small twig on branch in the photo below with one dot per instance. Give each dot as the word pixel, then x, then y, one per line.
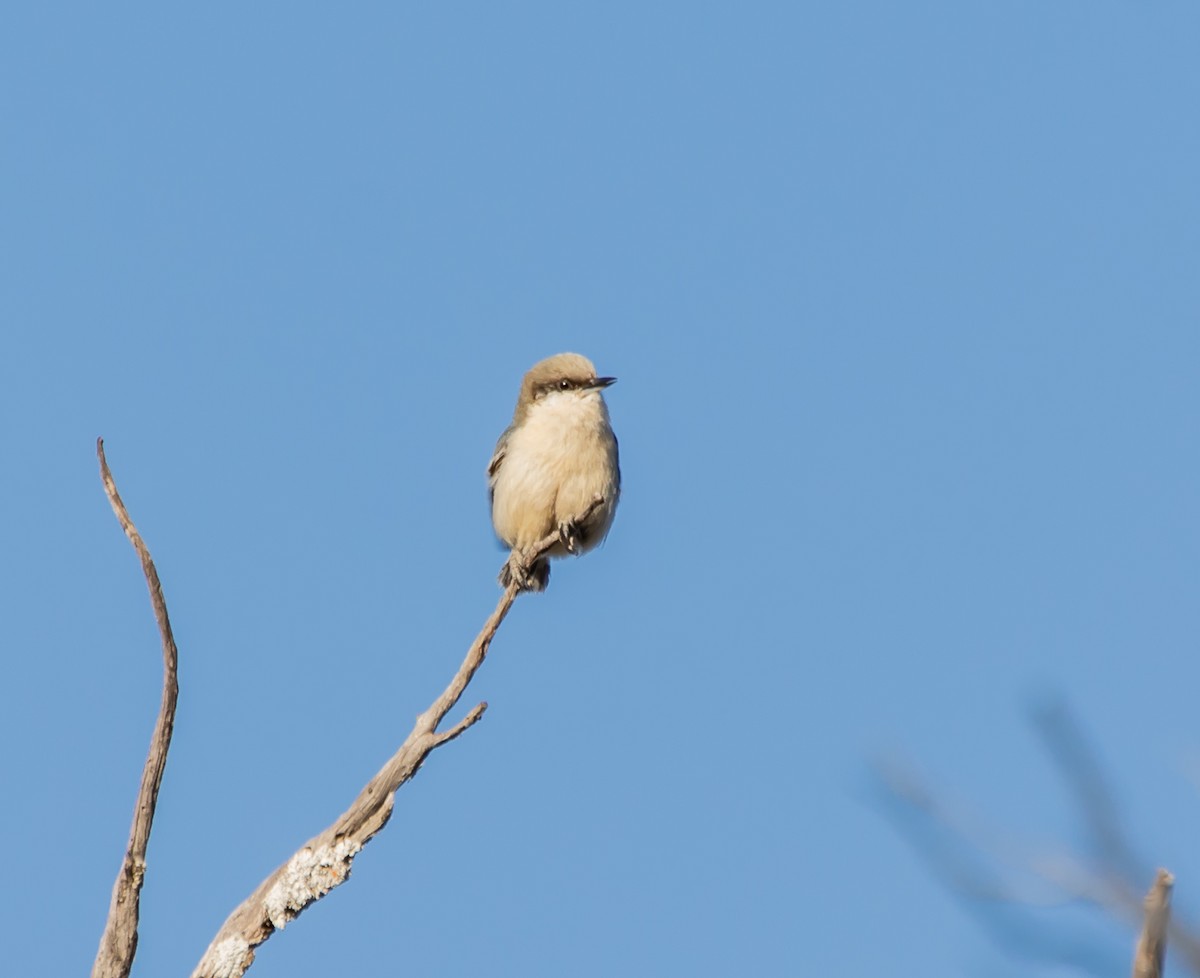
pixel 118 944
pixel 325 860
pixel 1152 945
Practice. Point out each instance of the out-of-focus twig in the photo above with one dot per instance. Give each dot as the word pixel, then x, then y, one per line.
pixel 1082 773
pixel 1107 876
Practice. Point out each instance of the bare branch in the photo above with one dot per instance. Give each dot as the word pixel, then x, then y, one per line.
pixel 325 860
pixel 1148 959
pixel 118 944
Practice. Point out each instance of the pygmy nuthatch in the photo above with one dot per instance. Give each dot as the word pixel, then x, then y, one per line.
pixel 556 456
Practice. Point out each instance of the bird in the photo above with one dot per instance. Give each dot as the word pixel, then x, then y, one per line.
pixel 558 454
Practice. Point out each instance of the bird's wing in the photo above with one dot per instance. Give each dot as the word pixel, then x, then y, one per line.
pixel 494 465
pixel 617 458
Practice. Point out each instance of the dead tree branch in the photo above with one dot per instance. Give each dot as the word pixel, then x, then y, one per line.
pixel 118 944
pixel 325 860
pixel 1152 945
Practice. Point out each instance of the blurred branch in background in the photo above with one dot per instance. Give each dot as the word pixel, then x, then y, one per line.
pixel 1029 903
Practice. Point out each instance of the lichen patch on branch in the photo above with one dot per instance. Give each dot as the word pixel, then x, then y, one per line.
pixel 227 958
pixel 308 876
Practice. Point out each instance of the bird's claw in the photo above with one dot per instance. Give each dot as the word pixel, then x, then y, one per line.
pixel 513 572
pixel 568 533
pixel 527 578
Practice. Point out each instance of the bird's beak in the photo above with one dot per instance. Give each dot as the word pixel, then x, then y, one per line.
pixel 599 383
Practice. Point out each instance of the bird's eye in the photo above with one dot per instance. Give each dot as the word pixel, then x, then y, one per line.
pixel 564 385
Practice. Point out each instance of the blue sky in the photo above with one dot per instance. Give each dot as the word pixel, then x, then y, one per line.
pixel 905 306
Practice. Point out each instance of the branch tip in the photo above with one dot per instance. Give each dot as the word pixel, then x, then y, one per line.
pixel 1152 943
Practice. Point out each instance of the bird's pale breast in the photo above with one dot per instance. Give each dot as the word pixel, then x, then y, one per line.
pixel 554 463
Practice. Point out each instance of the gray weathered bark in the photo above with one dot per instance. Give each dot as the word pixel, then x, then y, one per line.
pixel 118 944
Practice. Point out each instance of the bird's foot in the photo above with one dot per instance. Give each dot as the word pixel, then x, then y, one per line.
pixel 571 536
pixel 527 578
